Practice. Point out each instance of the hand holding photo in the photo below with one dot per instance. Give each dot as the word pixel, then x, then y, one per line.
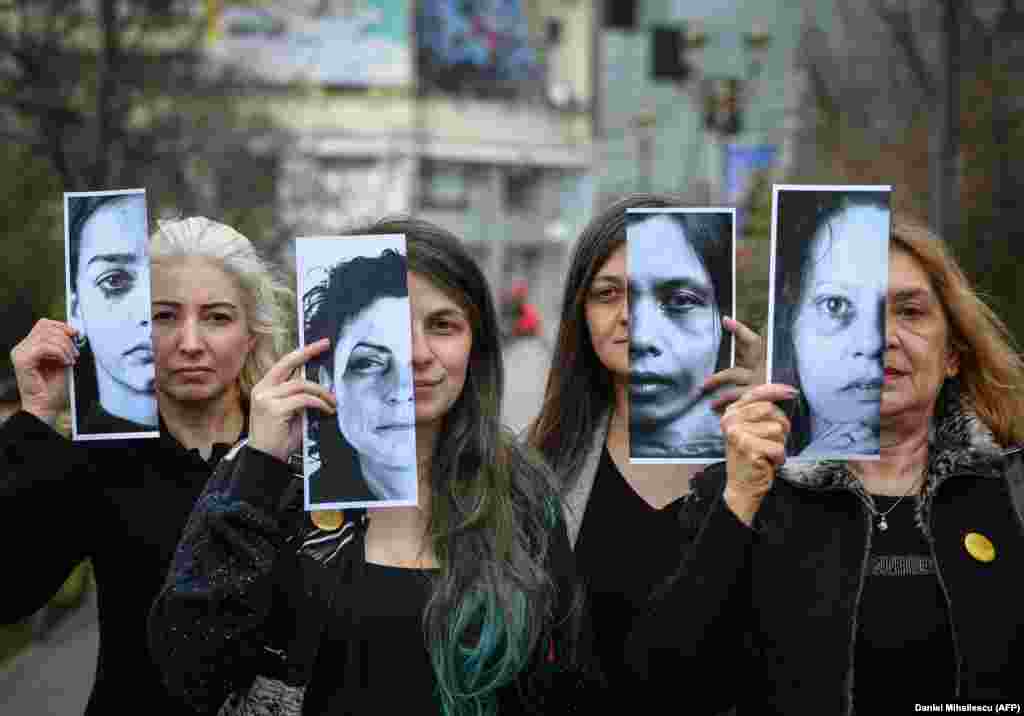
pixel 355 294
pixel 107 281
pixel 681 268
pixel 830 273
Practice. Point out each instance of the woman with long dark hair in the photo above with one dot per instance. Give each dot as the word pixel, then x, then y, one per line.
pixel 463 604
pixel 583 431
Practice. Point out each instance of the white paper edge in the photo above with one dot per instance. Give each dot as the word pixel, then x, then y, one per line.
pixel 776 188
pixel 732 359
pixel 76 436
pixel 300 289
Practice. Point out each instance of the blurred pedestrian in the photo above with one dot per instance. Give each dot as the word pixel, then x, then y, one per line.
pixel 583 431
pixel 218 323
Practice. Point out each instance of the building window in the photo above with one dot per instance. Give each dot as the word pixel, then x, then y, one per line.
pixel 521 186
pixel 443 185
pixel 620 14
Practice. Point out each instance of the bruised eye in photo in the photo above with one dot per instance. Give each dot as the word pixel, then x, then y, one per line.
pixel 116 283
pixel 679 301
pixel 109 303
pixel 364 361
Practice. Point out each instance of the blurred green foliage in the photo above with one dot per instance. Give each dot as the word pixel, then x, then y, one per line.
pixel 111 95
pixel 32 277
pixel 754 254
pixel 991 133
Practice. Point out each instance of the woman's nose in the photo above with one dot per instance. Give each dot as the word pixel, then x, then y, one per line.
pixel 140 311
pixel 139 301
pixel 191 340
pixel 872 335
pixel 401 384
pixel 643 319
pixel 422 355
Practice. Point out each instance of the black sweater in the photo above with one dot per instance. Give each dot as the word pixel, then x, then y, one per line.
pixel 252 589
pixel 122 503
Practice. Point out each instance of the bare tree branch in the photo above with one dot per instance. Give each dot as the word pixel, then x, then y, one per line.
pixel 55 110
pixel 902 29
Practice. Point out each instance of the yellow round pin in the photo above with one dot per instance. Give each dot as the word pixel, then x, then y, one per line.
pixel 329 520
pixel 980 547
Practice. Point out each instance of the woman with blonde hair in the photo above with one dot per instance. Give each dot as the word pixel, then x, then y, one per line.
pixel 828 587
pixel 219 319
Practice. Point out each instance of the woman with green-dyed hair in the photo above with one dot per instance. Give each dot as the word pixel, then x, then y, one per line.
pixel 464 604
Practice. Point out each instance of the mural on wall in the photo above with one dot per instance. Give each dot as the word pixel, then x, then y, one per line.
pixel 476 44
pixel 331 42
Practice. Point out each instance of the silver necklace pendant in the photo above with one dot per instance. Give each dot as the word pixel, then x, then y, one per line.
pixel 882 524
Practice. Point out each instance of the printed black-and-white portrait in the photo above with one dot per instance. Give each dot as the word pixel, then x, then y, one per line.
pixel 829 279
pixel 355 292
pixel 107 281
pixel 681 268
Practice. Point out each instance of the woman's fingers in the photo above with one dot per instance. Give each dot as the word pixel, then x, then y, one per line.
pixel 290 362
pixel 769 429
pixel 293 404
pixel 51 349
pixel 762 420
pixel 767 392
pixel 275 405
pixel 293 386
pixel 44 343
pixel 755 430
pixel 749 345
pixel 736 375
pixel 755 447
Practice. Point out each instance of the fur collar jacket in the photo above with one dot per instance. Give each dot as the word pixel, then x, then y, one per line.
pixel 766 619
pixel 959 443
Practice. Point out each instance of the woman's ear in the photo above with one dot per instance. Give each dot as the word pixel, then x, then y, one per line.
pixel 953 362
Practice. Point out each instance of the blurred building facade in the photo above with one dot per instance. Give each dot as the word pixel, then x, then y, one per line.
pixel 695 97
pixel 473 115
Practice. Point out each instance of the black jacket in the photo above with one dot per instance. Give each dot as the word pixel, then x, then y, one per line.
pixel 765 618
pixel 120 503
pixel 251 586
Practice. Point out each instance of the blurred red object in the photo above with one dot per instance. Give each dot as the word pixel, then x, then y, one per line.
pixel 529 321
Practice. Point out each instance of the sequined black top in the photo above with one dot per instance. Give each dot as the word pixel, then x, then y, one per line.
pixel 255 590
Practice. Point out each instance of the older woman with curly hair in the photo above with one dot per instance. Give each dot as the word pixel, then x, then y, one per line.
pixel 863 586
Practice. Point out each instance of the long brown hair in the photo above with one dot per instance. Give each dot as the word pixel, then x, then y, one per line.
pixel 991 369
pixel 579 390
pixel 492 504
